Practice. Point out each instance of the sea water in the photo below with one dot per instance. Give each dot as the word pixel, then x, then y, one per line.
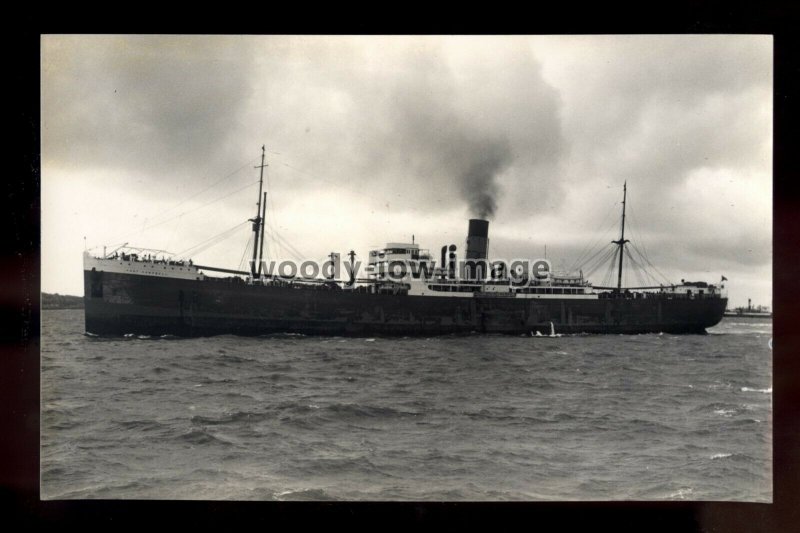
pixel 475 417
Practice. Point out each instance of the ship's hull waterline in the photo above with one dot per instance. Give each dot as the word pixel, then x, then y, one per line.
pixel 120 304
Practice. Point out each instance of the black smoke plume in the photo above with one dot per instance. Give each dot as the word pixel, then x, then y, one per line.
pixel 479 183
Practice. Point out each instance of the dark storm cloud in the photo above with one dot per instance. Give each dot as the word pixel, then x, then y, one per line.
pixel 410 117
pixel 431 144
pixel 687 121
pixel 655 108
pixel 423 121
pixel 152 105
pixel 422 127
pixel 485 129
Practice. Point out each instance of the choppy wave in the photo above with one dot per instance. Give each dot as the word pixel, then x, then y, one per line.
pixel 682 494
pixel 304 495
pixel 201 436
pixel 469 417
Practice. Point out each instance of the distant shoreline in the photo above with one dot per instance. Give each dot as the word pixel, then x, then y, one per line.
pixel 61 301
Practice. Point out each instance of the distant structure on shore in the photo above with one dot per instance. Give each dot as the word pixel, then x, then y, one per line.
pixel 759 311
pixel 61 301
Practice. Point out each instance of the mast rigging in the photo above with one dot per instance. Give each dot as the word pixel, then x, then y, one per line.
pixel 622 240
pixel 258 221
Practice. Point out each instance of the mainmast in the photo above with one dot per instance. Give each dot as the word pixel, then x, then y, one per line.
pixel 258 221
pixel 622 240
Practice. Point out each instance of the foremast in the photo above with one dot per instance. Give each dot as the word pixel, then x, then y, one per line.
pixel 258 221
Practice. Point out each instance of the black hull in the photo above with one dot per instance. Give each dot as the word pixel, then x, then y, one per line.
pixel 119 304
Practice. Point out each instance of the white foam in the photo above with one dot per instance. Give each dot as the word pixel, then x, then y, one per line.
pixel 750 389
pixel 721 455
pixel 681 494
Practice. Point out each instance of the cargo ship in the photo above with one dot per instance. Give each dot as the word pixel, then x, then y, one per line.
pixel 135 291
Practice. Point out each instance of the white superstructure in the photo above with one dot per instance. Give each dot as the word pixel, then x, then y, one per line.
pixel 124 263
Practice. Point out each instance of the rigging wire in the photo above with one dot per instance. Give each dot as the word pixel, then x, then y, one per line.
pixel 610 271
pixel 272 250
pixel 211 241
pixel 582 258
pixel 591 264
pixel 643 251
pixel 265 243
pixel 240 189
pixel 600 261
pixel 635 227
pixel 246 249
pixel 642 274
pixel 664 278
pixel 267 246
pixel 195 195
pixel 637 270
pixel 384 201
pixel 273 239
pixel 607 253
pixel 174 236
pixel 338 184
pixel 601 250
pixel 290 248
pixel 662 281
pixel 640 267
pixel 159 219
pixel 273 214
pixel 592 258
pixel 283 244
pixel 189 211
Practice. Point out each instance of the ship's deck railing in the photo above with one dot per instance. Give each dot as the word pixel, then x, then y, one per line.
pixel 637 295
pixel 145 258
pixel 439 279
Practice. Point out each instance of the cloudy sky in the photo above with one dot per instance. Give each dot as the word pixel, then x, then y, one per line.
pixel 153 140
